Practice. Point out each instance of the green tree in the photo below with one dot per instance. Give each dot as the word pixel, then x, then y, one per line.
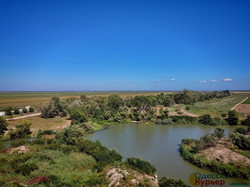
pixel 31 109
pixel 246 121
pixel 3 125
pixel 22 130
pixel 78 117
pixel 8 111
pixel 16 111
pixel 233 118
pixel 206 119
pixel 141 165
pixel 218 132
pixel 168 182
pixel 25 110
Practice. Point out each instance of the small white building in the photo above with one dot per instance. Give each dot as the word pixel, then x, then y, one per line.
pixel 28 108
pixel 2 113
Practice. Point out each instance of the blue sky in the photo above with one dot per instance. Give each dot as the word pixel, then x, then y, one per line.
pixel 124 45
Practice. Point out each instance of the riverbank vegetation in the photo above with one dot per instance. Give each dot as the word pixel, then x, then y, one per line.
pixel 66 158
pixel 149 109
pixel 220 154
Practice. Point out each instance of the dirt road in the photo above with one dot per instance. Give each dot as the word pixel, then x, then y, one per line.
pixel 235 106
pixel 26 116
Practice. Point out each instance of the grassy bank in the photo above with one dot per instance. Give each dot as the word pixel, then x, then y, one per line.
pixel 215 107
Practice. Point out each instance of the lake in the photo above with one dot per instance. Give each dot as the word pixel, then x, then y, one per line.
pixel 158 144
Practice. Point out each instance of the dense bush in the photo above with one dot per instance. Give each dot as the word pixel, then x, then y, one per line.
pixel 233 118
pixel 242 130
pixel 22 130
pixel 241 141
pixel 190 147
pixel 16 111
pixel 25 110
pixel 246 121
pixel 184 119
pixel 3 125
pixel 168 182
pixel 54 108
pixel 78 117
pixel 99 152
pixel 31 109
pixel 141 165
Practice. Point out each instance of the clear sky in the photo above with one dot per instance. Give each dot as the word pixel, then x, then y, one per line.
pixel 124 45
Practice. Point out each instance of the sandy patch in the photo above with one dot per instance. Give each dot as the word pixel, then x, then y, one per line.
pixel 225 155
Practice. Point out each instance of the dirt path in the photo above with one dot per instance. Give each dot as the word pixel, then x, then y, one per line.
pixel 26 116
pixel 187 113
pixel 235 106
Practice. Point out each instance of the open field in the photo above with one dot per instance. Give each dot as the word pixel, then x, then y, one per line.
pixel 37 123
pixel 36 98
pixel 243 108
pixel 216 107
pixel 247 101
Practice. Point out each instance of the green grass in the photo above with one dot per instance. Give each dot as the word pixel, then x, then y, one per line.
pixel 247 101
pixel 215 107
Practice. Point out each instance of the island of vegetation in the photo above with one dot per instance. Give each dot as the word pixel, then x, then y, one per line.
pixel 225 155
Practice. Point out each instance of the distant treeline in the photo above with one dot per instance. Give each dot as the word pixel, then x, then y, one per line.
pixel 116 109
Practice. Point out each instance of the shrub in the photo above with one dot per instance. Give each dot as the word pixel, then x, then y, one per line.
pixel 78 117
pixel 233 118
pixel 206 119
pixel 246 121
pixel 241 130
pixel 168 182
pixel 99 152
pixel 22 130
pixel 25 110
pixel 141 165
pixel 183 119
pixel 19 142
pixel 31 109
pixel 241 141
pixel 25 169
pixel 8 111
pixel 3 125
pixel 16 111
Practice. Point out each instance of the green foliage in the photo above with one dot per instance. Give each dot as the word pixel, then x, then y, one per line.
pixel 206 119
pixel 78 117
pixel 3 125
pixel 141 165
pixel 71 135
pixel 25 110
pixel 16 111
pixel 168 182
pixel 218 133
pixel 31 109
pixel 233 118
pixel 184 119
pixel 228 170
pixel 18 142
pixel 241 141
pixel 242 130
pixel 54 108
pixel 48 132
pixel 8 111
pixel 99 152
pixel 22 130
pixel 246 121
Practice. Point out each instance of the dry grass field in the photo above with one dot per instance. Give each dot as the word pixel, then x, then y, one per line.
pixel 37 123
pixel 36 98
